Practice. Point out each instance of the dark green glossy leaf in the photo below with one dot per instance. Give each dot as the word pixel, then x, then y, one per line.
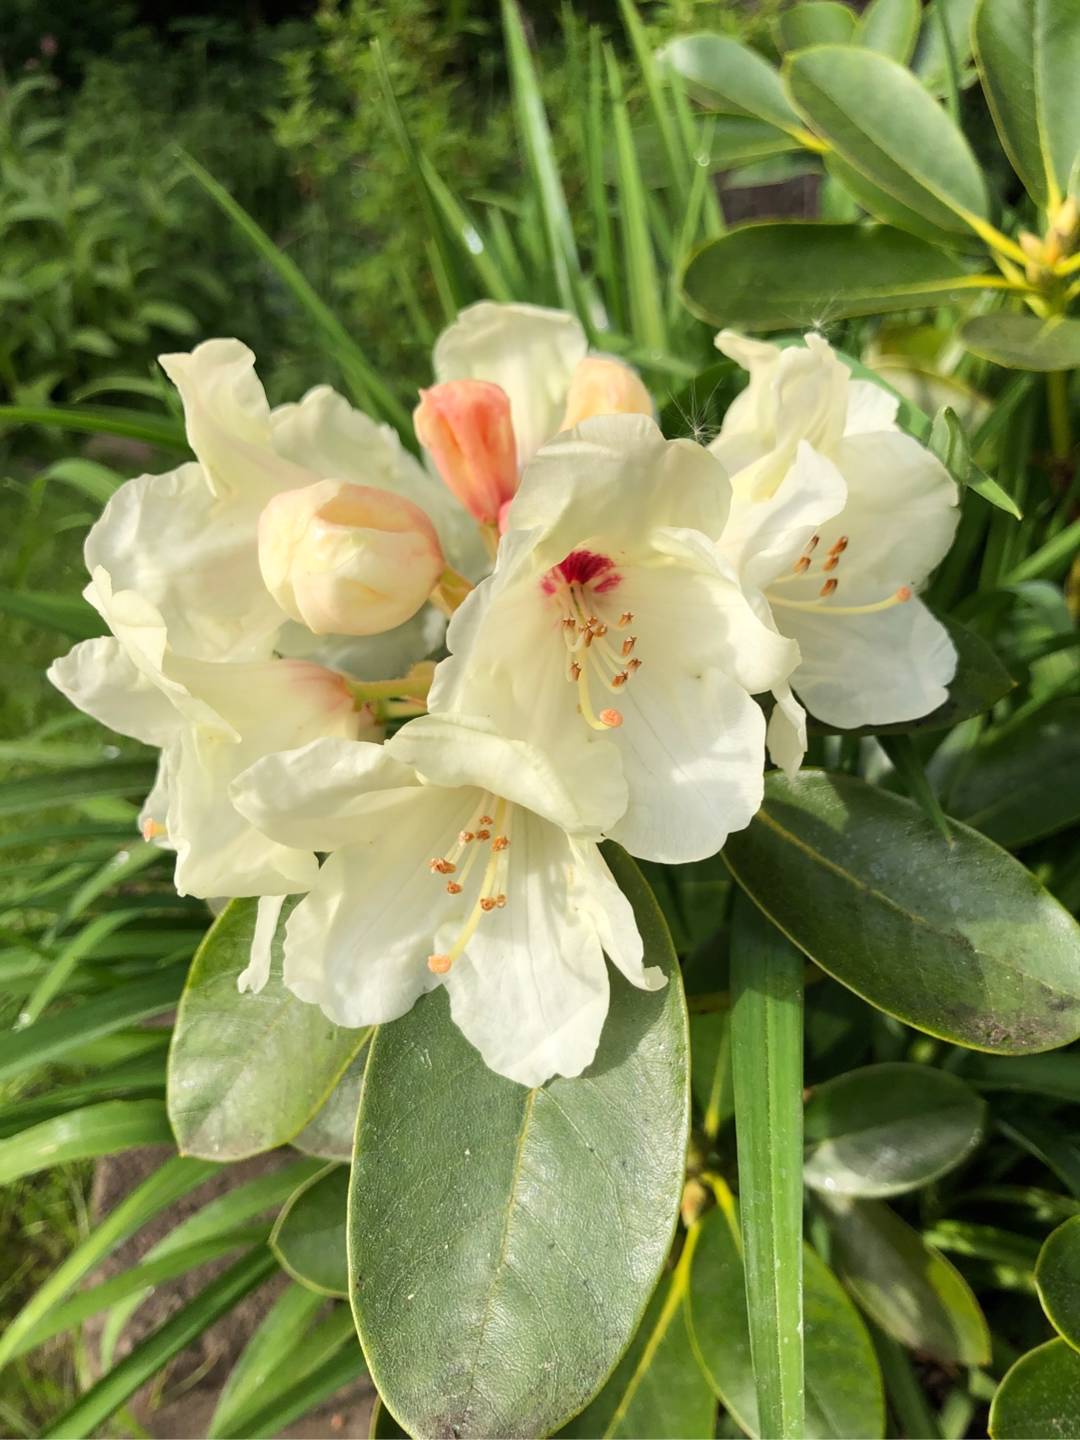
pixel 891 26
pixel 889 1128
pixel 1054 1075
pixel 778 274
pixel 487 1220
pixel 1039 1396
pixel 247 1072
pixel 658 1389
pixel 383 1424
pixel 1025 785
pixel 329 1132
pixel 1028 53
pixel 1024 342
pixel 1057 1277
pixel 912 1291
pixel 815 22
pixel 884 206
pixel 957 939
pixel 981 680
pixel 878 118
pixel 843 1384
pixel 725 75
pixel 767 1063
pixel 309 1236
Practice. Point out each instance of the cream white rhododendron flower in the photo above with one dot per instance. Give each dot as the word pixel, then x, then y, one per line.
pixel 611 610
pixel 211 721
pixel 297 530
pixel 457 858
pixel 837 518
pixel 509 378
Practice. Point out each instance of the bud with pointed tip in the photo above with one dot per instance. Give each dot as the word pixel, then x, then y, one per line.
pixel 465 427
pixel 348 559
pixel 602 386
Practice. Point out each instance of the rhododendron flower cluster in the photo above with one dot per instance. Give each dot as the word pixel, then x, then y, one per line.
pixel 633 622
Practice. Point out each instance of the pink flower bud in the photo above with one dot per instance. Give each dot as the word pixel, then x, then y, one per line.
pixel 348 559
pixel 601 386
pixel 466 428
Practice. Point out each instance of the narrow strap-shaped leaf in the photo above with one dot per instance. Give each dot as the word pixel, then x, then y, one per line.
pixel 344 1364
pixel 147 1359
pixel 127 424
pixel 367 386
pixel 175 1178
pixel 536 138
pixel 269 1349
pixel 35 792
pixel 84 1134
pixel 767 1040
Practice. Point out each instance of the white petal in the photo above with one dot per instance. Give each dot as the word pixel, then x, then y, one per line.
pixel 228 421
pixel 217 851
pixel 529 351
pixel 194 558
pixel 368 657
pixel 613 916
pixel 99 677
pixel 531 990
pixel 693 750
pixel 583 790
pixel 257 971
pixel 320 796
pixel 613 478
pixel 900 517
pixel 765 537
pixel 786 732
pixel 871 408
pixel 357 945
pixel 872 669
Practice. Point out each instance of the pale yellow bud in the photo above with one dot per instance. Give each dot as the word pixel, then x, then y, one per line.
pixel 600 386
pixel 347 559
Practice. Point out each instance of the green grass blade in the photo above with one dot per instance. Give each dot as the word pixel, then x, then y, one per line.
pixel 136 1278
pixel 671 137
pixel 84 1134
pixel 767 1041
pixel 325 1359
pixel 607 266
pixel 642 278
pixel 540 152
pixel 266 1355
pixel 126 424
pixel 174 1179
pixel 36 792
pixel 51 1040
pixel 62 613
pixel 474 248
pixel 368 388
pixel 150 1357
pixel 59 971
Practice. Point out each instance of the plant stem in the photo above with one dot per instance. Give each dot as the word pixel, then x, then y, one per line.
pixel 1057 403
pixel 767 1058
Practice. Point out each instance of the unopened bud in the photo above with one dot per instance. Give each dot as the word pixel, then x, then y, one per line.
pixel 348 559
pixel 466 428
pixel 600 386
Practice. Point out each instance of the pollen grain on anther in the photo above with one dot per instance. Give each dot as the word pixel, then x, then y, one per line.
pixel 441 866
pixel 828 588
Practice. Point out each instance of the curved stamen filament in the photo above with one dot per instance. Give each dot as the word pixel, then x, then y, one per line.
pixel 899 597
pixel 585 637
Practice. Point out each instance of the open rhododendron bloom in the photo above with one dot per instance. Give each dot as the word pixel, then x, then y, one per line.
pixel 509 378
pixel 189 541
pixel 610 612
pixel 211 721
pixel 457 858
pixel 837 517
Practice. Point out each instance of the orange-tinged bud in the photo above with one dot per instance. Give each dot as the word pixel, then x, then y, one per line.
pixel 465 427
pixel 600 386
pixel 347 559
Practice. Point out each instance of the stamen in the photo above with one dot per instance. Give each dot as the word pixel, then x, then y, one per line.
pixel 501 842
pixel 899 597
pixel 840 546
pixel 626 618
pixel 464 837
pixel 575 670
pixel 453 888
pixel 618 681
pixel 831 563
pixel 486 820
pixel 484 834
pixel 628 645
pixel 828 588
pixel 440 866
pixel 487 903
pixel 802 565
pixel 500 902
pixel 633 665
pixel 811 545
